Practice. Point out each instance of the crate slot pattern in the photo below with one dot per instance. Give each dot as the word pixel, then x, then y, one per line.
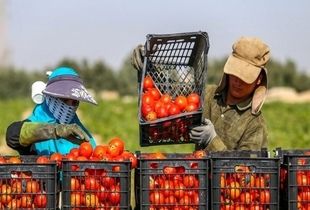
pixel 177 181
pixel 96 184
pixel 177 63
pixel 28 185
pixel 244 183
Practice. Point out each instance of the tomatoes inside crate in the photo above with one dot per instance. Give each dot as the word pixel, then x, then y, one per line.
pixel 96 185
pixel 25 184
pixel 171 181
pixel 295 179
pixel 240 182
pixel 171 89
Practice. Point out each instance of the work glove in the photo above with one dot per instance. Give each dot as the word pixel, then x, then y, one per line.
pixel 32 132
pixel 203 134
pixel 137 57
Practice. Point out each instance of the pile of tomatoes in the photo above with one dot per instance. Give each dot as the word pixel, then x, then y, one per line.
pixel 171 186
pixel 155 105
pixel 22 190
pixel 244 189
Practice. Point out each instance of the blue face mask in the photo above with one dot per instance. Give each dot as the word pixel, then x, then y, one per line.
pixel 61 111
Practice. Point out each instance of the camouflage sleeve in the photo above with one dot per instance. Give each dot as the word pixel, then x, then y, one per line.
pixel 209 94
pixel 255 136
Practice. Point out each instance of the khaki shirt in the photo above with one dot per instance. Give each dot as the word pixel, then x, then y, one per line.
pixel 236 127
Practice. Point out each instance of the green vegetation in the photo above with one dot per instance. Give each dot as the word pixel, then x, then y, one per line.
pixel 288 124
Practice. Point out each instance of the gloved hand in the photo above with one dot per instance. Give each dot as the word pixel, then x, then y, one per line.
pixel 32 132
pixel 137 57
pixel 203 134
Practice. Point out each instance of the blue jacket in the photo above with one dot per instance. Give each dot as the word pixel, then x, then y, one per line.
pixel 41 113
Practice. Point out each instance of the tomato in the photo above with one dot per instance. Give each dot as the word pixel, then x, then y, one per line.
pixel 32 186
pixel 233 190
pixel 6 191
pixel 102 194
pixel 189 181
pixel 40 201
pixel 199 154
pixel 148 99
pixel 245 198
pixel 115 195
pixel 26 201
pixel 166 98
pixel 107 181
pixel 155 93
pixel 157 105
pixel 179 190
pixel 148 83
pixel 91 183
pixel 75 184
pixel 185 200
pixel 14 160
pixel 193 98
pixel 75 199
pixel 116 146
pixel 57 157
pixel 100 151
pixel 260 182
pixel 191 107
pixel 74 152
pixel 91 200
pixel 170 199
pixel 169 170
pixel 2 160
pixel 85 149
pixel 162 112
pixel 302 179
pixel 174 109
pixel 157 197
pixel 264 196
pixel 151 116
pixel 131 157
pixel 17 187
pixel 42 159
pixel 181 102
pixel 157 155
pixel 145 109
pixel 14 204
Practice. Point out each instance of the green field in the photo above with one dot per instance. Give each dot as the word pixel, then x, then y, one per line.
pixel 288 124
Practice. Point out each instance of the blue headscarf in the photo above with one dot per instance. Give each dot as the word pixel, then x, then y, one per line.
pixel 41 113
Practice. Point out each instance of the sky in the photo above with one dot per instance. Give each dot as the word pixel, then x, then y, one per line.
pixel 41 33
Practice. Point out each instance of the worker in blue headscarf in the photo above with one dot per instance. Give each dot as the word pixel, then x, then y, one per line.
pixel 53 125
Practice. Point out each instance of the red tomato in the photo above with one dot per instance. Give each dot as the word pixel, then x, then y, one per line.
pixel 91 183
pixel 14 204
pixel 191 107
pixel 57 157
pixel 174 109
pixel 40 201
pixel 100 151
pixel 181 102
pixel 91 200
pixel 42 159
pixel 115 195
pixel 14 160
pixel 145 109
pixel 193 98
pixel 85 149
pixel 107 181
pixel 162 112
pixel 131 157
pixel 157 197
pixel 32 186
pixel 75 184
pixel 233 190
pixel 148 99
pixel 199 154
pixel 116 146
pixel 169 170
pixel 166 98
pixel 26 201
pixel 75 199
pixel 148 83
pixel 103 194
pixel 265 196
pixel 2 160
pixel 74 152
pixel 189 181
pixel 155 93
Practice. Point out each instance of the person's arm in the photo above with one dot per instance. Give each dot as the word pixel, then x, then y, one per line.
pixel 12 138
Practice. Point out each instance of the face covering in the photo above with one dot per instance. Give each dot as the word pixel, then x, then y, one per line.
pixel 60 110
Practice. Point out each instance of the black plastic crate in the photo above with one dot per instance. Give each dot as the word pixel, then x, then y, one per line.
pixel 177 64
pixel 244 180
pixel 175 180
pixel 96 185
pixel 295 178
pixel 27 184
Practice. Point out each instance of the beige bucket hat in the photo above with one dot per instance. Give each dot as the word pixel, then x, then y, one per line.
pixel 247 61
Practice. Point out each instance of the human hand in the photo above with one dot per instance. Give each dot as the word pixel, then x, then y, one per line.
pixel 203 134
pixel 137 57
pixel 71 132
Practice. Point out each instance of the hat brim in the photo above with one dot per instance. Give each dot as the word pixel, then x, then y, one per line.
pixel 70 88
pixel 241 69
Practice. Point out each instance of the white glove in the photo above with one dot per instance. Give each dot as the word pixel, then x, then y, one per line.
pixel 203 134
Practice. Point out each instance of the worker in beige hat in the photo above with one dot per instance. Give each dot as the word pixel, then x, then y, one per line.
pixel 232 111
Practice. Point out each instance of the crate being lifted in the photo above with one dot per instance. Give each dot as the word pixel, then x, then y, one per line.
pixel 171 87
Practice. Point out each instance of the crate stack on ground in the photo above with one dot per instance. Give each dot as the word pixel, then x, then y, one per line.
pixel 26 184
pixel 244 180
pixel 171 181
pixel 295 179
pixel 171 87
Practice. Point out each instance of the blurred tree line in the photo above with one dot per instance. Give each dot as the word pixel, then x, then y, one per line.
pixel 98 76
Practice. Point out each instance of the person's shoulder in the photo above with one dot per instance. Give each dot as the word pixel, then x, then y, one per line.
pixel 211 88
